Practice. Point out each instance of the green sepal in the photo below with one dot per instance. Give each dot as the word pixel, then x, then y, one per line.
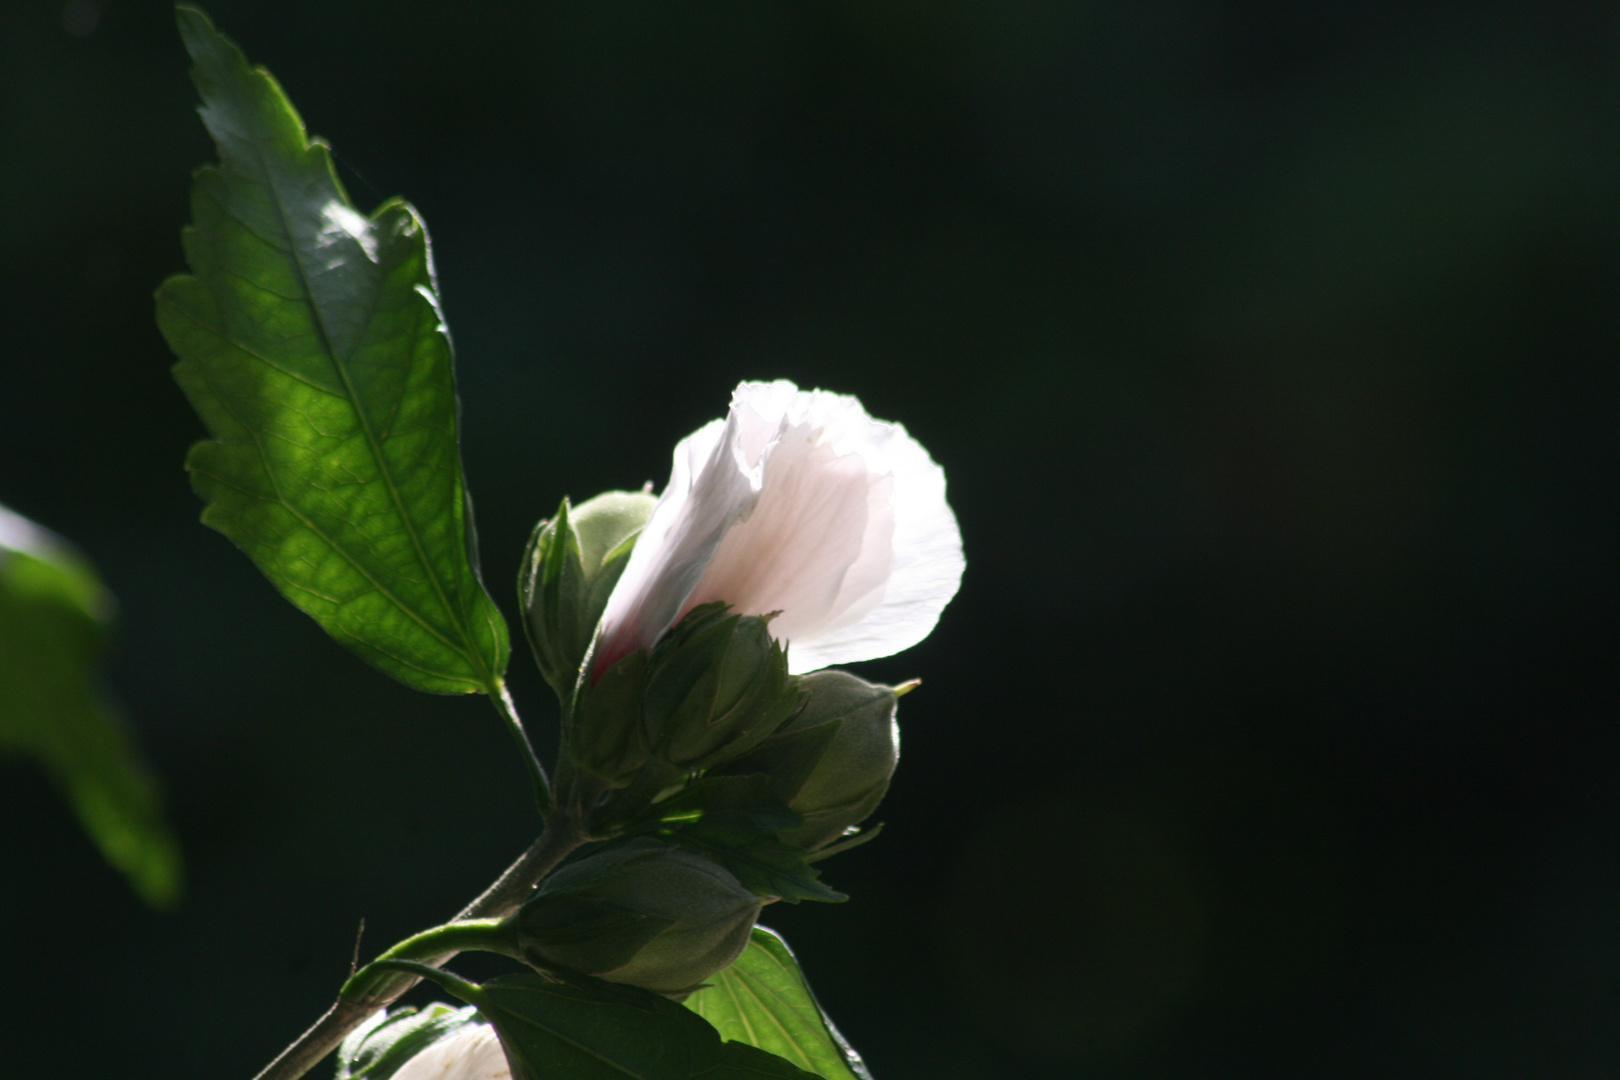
pixel 550 581
pixel 379 1047
pixel 54 619
pixel 748 843
pixel 711 794
pixel 562 922
pixel 311 344
pixel 764 1000
pixel 717 684
pixel 788 756
pixel 604 733
pixel 640 912
pixel 568 572
pixel 852 838
pixel 833 760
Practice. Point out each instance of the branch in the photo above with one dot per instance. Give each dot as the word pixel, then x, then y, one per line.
pixel 561 835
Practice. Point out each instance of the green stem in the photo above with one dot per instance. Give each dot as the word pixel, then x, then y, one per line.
pixel 471 993
pixel 467 935
pixel 531 761
pixel 562 834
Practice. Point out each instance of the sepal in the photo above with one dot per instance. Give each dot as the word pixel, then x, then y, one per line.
pixel 717 684
pixel 642 913
pixel 569 568
pixel 605 735
pixel 750 844
pixel 833 760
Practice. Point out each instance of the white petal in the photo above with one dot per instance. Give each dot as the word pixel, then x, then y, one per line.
pixel 473 1053
pixel 806 530
pixel 708 491
pixel 798 503
pixel 923 574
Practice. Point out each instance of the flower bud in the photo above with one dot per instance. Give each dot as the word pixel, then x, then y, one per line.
pixel 641 913
pixel 571 565
pixel 716 685
pixel 832 762
pixel 607 742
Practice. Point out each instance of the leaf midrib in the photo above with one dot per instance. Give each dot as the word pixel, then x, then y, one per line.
pixel 364 420
pixel 752 983
pixel 318 531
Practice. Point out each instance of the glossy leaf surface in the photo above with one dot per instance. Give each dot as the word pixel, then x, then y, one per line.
pixel 763 1000
pixel 312 346
pixel 53 617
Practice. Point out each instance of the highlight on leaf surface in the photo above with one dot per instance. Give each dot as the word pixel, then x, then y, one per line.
pixel 591 1030
pixel 763 1000
pixel 441 1043
pixel 54 614
pixel 311 344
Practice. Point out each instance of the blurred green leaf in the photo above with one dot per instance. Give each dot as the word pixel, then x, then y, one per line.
pixel 763 1000
pixel 312 346
pixel 53 617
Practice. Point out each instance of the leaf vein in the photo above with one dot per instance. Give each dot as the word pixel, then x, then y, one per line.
pixel 467 647
pixel 321 534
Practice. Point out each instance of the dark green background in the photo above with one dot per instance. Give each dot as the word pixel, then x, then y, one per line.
pixel 1270 351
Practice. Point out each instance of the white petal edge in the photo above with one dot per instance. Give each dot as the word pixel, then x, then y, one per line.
pixel 706 494
pixel 926 562
pixel 473 1053
pixel 866 578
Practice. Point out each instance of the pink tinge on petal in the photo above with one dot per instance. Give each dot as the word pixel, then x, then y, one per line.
pixel 798 503
pixel 707 493
pixel 792 552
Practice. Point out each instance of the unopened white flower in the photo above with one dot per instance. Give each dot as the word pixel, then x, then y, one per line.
pixel 473 1053
pixel 800 503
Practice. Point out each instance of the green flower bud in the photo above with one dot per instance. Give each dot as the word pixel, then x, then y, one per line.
pixel 832 762
pixel 717 684
pixel 642 913
pixel 571 565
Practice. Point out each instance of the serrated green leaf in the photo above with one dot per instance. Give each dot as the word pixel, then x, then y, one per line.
pixel 312 346
pixel 763 1000
pixel 746 843
pixel 53 617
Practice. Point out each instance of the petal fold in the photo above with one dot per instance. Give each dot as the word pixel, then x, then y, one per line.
pixel 801 504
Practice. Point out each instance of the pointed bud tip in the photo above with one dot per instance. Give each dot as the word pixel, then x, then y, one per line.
pixel 906 687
